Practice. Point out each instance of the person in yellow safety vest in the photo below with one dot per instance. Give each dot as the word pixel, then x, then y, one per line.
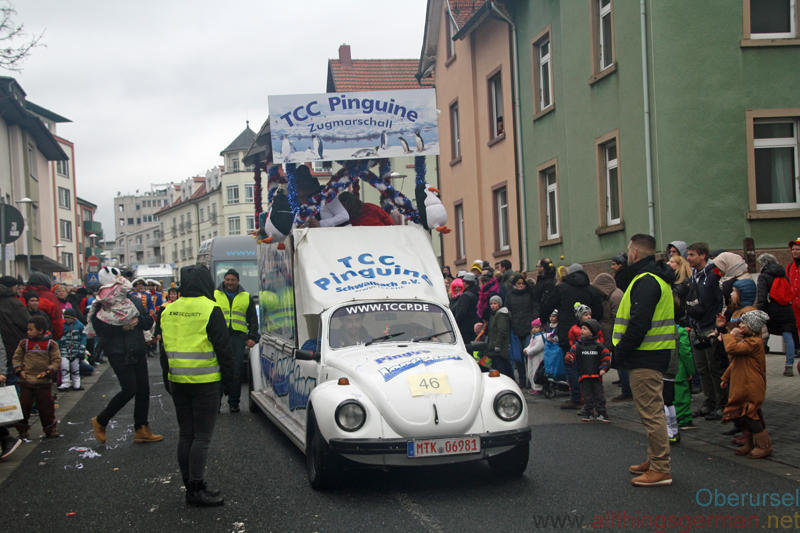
pixel 196 358
pixel 644 336
pixel 240 315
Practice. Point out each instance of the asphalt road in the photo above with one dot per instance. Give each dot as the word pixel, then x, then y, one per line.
pixel 577 471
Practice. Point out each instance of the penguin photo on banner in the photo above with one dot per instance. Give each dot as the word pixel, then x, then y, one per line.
pixel 317 142
pixel 420 142
pixel 404 144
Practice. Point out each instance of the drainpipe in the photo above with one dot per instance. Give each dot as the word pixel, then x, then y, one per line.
pixel 648 155
pixel 518 131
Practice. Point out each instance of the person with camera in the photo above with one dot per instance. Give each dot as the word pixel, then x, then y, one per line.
pixel 703 304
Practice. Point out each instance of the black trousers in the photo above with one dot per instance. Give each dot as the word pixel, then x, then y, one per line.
pixel 594 397
pixel 196 405
pixel 135 382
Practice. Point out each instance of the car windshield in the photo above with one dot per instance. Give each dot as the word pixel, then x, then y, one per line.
pixel 373 323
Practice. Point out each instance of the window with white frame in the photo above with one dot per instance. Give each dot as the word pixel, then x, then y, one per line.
pixel 455 138
pixel 550 186
pixel 251 223
pixel 249 196
pixel 234 226
pixel 605 45
pixel 235 164
pixel 496 125
pixel 544 73
pixel 451 30
pixel 611 174
pixel 65 229
pixel 775 151
pixel 501 219
pixel 66 260
pixel 461 249
pixel 233 194
pixel 64 198
pixel 32 162
pixel 62 168
pixel 773 19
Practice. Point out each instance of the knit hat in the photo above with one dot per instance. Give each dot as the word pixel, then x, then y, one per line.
pixel 792 243
pixel 232 272
pixel 755 320
pixel 620 259
pixel 581 309
pixel 767 259
pixel 592 324
pixel 30 294
pixel 9 281
pixel 70 312
pixel 574 267
pixel 536 323
pixel 497 299
pixel 747 291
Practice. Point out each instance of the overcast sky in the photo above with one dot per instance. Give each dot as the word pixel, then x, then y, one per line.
pixel 156 89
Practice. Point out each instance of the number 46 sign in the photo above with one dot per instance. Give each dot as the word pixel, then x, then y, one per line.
pixel 423 384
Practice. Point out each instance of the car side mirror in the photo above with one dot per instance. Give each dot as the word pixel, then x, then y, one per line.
pixel 476 346
pixel 306 355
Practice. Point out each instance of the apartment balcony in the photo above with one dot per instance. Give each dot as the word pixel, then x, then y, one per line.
pixel 136 247
pixel 188 226
pixel 189 253
pixel 213 218
pixel 93 226
pixel 174 231
pixel 182 228
pixel 175 256
pixel 183 253
pixel 153 243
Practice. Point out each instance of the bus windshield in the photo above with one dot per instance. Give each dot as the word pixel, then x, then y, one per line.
pixel 390 322
pixel 248 274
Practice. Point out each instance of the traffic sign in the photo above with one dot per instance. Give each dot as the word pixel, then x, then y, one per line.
pixel 93 261
pixel 12 223
pixel 92 279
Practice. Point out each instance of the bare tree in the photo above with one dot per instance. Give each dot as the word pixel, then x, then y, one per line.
pixel 11 55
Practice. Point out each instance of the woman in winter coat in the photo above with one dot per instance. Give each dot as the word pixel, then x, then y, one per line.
pixel 683 278
pixel 781 317
pixel 521 303
pixel 499 331
pixel 489 287
pixel 731 268
pixel 611 296
pixel 68 301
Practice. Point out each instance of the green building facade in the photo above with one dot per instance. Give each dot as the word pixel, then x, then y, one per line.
pixel 724 97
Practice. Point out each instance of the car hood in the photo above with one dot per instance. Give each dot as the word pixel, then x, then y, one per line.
pixel 383 372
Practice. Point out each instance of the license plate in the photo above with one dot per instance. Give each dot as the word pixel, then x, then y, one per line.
pixel 437 447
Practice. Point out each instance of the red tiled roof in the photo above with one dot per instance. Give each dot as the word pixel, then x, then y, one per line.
pixel 375 74
pixel 200 190
pixel 464 9
pixel 173 204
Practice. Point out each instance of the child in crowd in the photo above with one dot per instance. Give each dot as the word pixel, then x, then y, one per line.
pixel 37 360
pixel 677 389
pixel 747 378
pixel 535 354
pixel 593 360
pixel 582 313
pixel 551 330
pixel 32 301
pixel 499 341
pixel 73 350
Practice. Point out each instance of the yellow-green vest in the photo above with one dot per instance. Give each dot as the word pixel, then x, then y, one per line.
pixel 661 335
pixel 189 352
pixel 236 314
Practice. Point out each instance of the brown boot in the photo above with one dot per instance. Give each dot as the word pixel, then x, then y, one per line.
pixel 99 431
pixel 640 469
pixel 143 434
pixel 763 446
pixel 749 444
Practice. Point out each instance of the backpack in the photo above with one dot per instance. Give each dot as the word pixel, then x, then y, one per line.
pixel 781 291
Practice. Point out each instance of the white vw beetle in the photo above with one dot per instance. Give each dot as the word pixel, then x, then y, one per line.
pixel 382 381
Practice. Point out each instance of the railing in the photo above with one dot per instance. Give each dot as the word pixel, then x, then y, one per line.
pixel 137 247
pixel 182 228
pixel 152 243
pixel 190 253
pixel 213 218
pixel 174 231
pixel 183 253
pixel 189 226
pixel 174 256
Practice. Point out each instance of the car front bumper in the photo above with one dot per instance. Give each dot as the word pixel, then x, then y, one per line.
pixel 500 439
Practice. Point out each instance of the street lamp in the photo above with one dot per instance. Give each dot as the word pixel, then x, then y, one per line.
pixel 28 201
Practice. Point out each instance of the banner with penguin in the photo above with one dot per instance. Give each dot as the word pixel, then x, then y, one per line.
pixel 352 126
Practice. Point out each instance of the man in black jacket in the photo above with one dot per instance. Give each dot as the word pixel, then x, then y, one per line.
pixel 644 336
pixel 575 288
pixel 703 322
pixel 545 283
pixel 465 310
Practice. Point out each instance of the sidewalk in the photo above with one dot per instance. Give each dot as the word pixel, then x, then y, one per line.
pixel 66 401
pixel 781 401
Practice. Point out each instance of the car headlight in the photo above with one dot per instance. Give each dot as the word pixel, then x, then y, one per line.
pixel 507 406
pixel 350 415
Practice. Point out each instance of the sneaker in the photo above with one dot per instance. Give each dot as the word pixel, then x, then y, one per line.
pixel 588 417
pixel 534 392
pixel 652 479
pixel 569 404
pixel 716 414
pixel 603 417
pixel 622 398
pixel 583 412
pixel 9 445
pixel 640 469
pixel 64 389
pixel 788 372
pixel 234 408
pixel 675 439
pixel 78 388
pixel 703 411
pixel 688 427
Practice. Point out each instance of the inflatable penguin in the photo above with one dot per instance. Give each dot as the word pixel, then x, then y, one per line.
pixel 435 213
pixel 279 222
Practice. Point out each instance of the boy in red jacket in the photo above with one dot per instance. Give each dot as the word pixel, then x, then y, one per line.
pixel 593 360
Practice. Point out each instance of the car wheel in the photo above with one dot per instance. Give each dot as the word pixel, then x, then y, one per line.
pixel 251 403
pixel 513 462
pixel 322 464
pixel 549 392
